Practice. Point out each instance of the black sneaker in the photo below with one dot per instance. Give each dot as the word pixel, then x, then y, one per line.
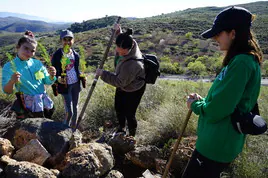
pixel 132 132
pixel 121 130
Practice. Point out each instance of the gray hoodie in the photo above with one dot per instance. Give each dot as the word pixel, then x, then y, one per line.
pixel 128 72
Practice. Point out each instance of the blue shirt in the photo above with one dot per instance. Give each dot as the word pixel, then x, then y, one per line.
pixel 33 75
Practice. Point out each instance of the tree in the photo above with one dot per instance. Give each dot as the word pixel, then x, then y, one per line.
pixel 9 56
pixel 165 59
pixel 197 68
pixel 189 59
pixel 213 64
pixel 44 54
pixel 168 68
pixel 189 35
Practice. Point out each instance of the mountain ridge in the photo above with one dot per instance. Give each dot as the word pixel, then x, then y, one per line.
pixel 174 37
pixel 30 17
pixel 16 24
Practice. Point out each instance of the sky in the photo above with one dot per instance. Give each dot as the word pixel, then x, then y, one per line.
pixel 79 10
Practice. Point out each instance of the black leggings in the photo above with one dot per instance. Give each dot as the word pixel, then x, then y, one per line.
pixel 126 104
pixel 202 167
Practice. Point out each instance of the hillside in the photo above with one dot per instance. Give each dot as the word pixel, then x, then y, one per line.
pixel 15 24
pixel 23 16
pixel 174 38
pixel 190 20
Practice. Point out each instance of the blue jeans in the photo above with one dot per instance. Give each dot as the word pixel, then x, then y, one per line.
pixel 70 104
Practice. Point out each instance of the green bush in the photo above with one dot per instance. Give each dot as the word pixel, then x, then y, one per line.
pixel 188 60
pixel 165 59
pixel 197 68
pixel 168 68
pixel 189 35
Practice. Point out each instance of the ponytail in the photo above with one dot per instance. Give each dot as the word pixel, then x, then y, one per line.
pixel 28 37
pixel 125 40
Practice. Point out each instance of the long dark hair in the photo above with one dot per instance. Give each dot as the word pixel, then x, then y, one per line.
pixel 125 40
pixel 244 43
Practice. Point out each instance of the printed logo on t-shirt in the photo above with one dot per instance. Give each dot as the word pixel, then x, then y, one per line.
pixel 72 60
pixel 70 70
pixel 223 73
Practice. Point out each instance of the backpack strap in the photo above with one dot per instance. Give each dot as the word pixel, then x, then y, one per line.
pixel 141 60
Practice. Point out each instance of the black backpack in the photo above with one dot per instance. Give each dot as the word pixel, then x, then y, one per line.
pixel 249 123
pixel 151 66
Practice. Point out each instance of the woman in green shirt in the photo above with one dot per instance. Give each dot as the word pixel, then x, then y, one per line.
pixel 237 86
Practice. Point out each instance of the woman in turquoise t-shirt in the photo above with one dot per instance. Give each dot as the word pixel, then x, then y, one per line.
pixel 28 76
pixel 237 86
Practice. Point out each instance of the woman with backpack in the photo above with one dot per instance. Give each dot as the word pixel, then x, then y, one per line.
pixel 128 79
pixel 237 87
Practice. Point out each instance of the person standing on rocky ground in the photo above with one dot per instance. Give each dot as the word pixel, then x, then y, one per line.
pixel 29 77
pixel 66 62
pixel 128 79
pixel 237 87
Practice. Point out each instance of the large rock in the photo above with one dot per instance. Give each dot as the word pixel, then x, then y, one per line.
pixel 148 174
pixel 6 148
pixel 23 169
pixel 88 160
pixel 122 144
pixel 114 174
pixel 33 152
pixel 76 139
pixel 54 136
pixel 8 127
pixel 144 156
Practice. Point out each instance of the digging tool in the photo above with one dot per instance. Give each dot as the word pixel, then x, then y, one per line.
pixel 96 77
pixel 177 144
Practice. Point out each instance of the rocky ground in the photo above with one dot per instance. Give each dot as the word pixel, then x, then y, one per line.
pixel 39 147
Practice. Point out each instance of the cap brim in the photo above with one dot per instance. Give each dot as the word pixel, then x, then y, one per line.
pixel 210 33
pixel 68 36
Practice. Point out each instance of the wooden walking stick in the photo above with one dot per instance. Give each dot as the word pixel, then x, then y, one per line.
pixel 96 77
pixel 177 143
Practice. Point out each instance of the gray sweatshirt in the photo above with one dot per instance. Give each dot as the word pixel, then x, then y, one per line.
pixel 128 72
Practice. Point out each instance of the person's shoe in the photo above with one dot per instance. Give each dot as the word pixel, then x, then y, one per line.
pixel 132 132
pixel 121 130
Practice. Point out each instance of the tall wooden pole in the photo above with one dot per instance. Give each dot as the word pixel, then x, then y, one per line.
pixel 177 144
pixel 96 76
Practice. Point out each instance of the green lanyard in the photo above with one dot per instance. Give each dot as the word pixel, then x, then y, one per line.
pixel 118 59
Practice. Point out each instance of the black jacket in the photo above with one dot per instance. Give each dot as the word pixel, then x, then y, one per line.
pixel 56 58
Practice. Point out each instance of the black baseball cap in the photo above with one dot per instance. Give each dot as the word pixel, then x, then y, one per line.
pixel 228 19
pixel 66 33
